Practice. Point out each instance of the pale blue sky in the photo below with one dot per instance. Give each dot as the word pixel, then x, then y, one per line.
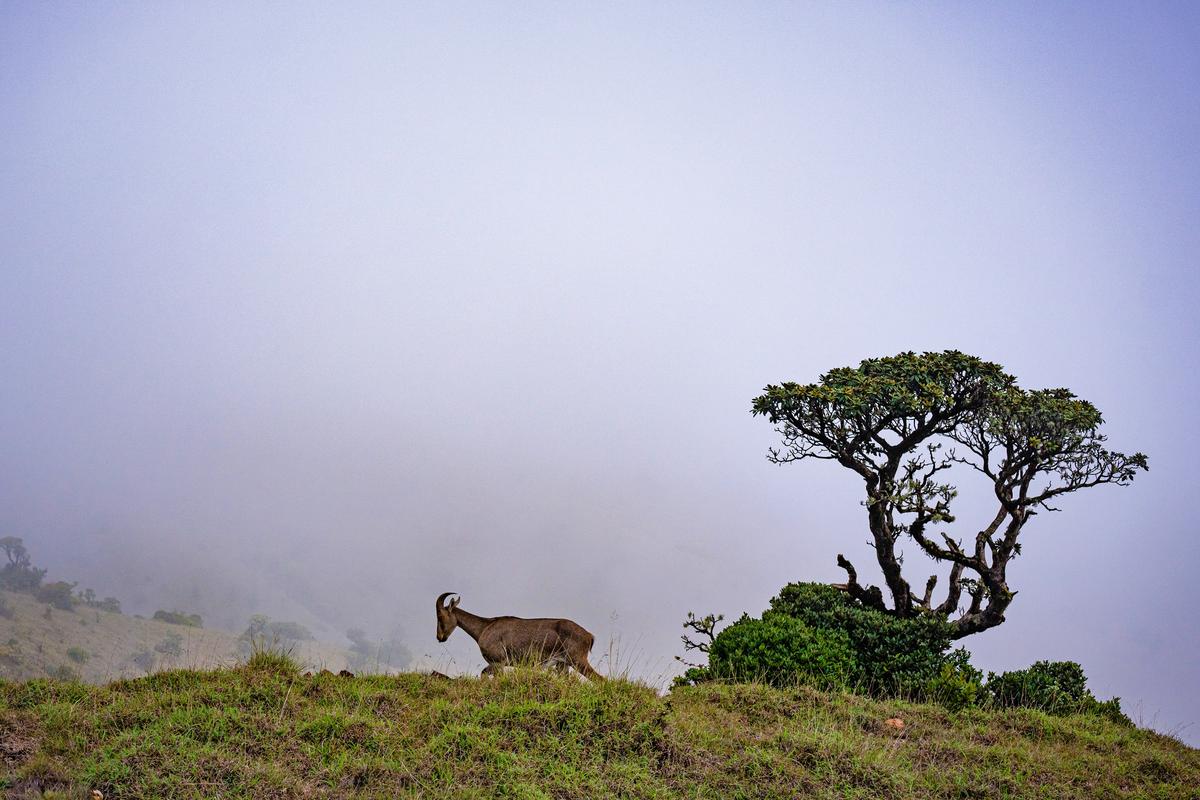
pixel 327 309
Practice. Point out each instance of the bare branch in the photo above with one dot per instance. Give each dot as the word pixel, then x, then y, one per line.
pixel 870 596
pixel 705 626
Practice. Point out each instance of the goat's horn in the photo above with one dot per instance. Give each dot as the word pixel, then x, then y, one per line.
pixel 442 597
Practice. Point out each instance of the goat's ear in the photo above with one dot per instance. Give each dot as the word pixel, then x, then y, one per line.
pixel 454 602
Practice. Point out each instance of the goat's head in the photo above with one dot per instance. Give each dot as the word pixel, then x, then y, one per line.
pixel 446 623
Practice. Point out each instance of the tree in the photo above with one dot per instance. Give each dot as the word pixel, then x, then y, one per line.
pixel 366 654
pixel 901 423
pixel 14 551
pixel 18 575
pixel 59 594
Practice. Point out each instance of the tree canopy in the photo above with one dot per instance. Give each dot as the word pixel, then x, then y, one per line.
pixel 901 423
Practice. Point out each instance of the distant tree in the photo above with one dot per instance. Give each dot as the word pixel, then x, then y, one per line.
pixel 394 651
pixel 18 574
pixel 110 604
pixel 261 629
pixel 366 653
pixel 14 551
pixel 289 631
pixel 59 594
pixel 900 423
pixel 257 627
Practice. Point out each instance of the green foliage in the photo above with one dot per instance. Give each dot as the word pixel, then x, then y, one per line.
pixel 1056 687
pixel 272 658
pixel 79 655
pixel 907 385
pixel 59 594
pixel 891 655
pixel 179 618
pixel 781 651
pixel 957 685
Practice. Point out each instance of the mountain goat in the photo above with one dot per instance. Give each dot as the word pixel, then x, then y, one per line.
pixel 560 643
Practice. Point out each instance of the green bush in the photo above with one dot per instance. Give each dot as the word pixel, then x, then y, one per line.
pixel 892 655
pixel 78 655
pixel 59 594
pixel 21 578
pixel 781 651
pixel 957 685
pixel 1056 687
pixel 179 618
pixel 110 604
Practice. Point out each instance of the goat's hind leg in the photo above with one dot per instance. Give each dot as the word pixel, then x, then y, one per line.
pixel 581 665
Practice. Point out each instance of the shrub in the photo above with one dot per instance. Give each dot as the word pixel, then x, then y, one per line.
pixel 179 618
pixel 59 594
pixel 171 646
pixel 781 651
pixel 892 654
pixel 78 655
pixel 111 604
pixel 1056 687
pixel 89 599
pixel 63 673
pixel 271 658
pixel 957 684
pixel 21 578
pixel 6 610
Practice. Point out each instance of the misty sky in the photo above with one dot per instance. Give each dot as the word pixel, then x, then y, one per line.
pixel 320 310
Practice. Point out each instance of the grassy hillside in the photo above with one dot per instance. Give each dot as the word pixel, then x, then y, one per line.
pixel 264 731
pixel 37 641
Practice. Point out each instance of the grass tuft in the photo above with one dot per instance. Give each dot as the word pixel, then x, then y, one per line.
pixel 272 657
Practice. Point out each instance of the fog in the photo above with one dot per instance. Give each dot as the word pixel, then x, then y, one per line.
pixel 318 311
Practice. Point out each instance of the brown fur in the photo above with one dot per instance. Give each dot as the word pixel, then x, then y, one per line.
pixel 559 643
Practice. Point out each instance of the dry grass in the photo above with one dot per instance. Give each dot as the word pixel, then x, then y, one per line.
pixel 36 645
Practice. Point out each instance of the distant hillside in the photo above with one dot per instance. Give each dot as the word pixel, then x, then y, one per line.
pixel 265 731
pixel 38 641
